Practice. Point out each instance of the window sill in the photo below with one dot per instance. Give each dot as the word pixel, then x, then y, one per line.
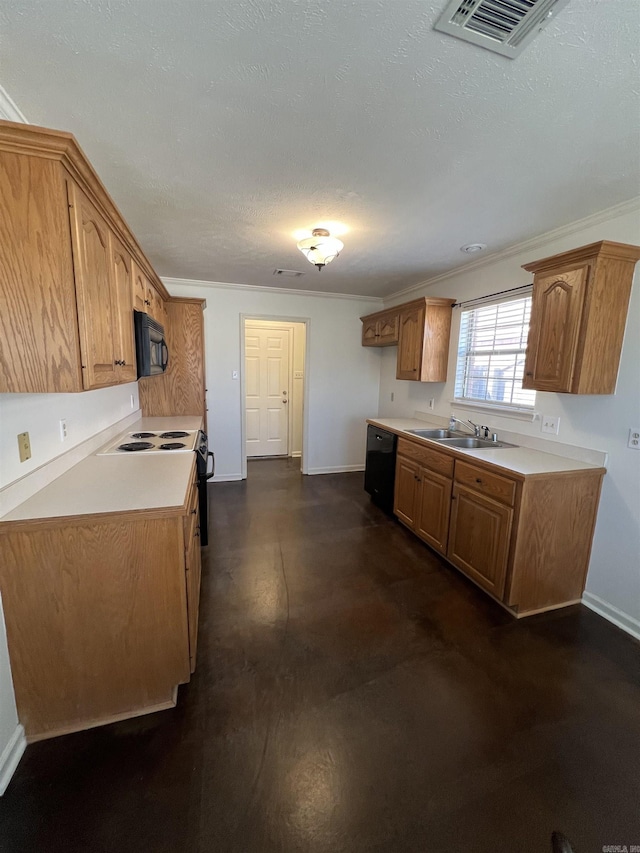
pixel 502 411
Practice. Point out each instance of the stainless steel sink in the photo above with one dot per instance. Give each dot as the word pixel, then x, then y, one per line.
pixel 471 442
pixel 432 433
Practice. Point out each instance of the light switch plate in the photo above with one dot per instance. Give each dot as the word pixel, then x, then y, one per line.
pixel 634 438
pixel 550 424
pixel 24 446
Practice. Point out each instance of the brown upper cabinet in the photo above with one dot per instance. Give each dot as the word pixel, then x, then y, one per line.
pixel 381 329
pixel 421 329
pixel 580 302
pixel 68 265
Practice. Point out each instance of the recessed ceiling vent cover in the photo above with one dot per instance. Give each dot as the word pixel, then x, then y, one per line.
pixel 288 273
pixel 503 26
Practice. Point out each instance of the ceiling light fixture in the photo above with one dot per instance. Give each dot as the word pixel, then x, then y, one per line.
pixel 321 248
pixel 472 248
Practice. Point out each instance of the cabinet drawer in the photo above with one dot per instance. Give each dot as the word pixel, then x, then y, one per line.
pixel 430 458
pixel 493 485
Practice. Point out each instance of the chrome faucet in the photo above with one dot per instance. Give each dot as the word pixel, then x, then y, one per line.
pixel 476 428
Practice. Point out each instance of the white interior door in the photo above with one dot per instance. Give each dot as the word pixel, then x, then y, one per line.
pixel 267 391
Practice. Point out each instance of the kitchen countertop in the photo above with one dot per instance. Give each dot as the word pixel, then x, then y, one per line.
pixel 516 460
pixel 126 483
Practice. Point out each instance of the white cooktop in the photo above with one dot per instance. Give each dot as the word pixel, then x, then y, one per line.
pixel 149 441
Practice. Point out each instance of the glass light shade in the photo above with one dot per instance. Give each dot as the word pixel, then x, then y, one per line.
pixel 319 250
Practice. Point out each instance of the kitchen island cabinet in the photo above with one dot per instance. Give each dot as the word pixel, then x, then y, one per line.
pixel 520 528
pixel 101 592
pixel 67 285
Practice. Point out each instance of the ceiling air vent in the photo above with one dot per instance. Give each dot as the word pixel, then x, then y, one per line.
pixel 288 273
pixel 503 26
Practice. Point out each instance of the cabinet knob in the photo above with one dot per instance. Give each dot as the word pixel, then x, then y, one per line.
pixel 529 373
pixel 478 480
pixel 194 511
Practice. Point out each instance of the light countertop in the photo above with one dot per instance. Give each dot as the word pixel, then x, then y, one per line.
pixel 521 460
pixel 126 483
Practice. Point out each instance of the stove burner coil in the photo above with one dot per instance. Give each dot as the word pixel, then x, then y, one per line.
pixel 178 433
pixel 132 446
pixel 143 435
pixel 174 445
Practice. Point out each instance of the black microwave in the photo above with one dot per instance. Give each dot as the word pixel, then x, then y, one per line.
pixel 152 354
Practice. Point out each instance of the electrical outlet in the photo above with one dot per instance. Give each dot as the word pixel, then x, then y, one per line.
pixel 392 395
pixel 550 424
pixel 234 374
pixel 133 401
pixel 63 429
pixel 634 438
pixel 432 402
pixel 24 446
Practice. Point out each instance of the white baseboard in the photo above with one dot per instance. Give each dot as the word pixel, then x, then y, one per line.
pixel 613 614
pixel 296 454
pixel 226 478
pixel 336 469
pixel 11 755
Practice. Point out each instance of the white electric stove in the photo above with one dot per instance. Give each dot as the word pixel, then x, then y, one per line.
pixel 153 441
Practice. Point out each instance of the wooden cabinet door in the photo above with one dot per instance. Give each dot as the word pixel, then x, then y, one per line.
pixel 140 289
pixel 434 506
pixel 155 307
pixel 369 333
pixel 555 325
pixel 96 299
pixel 193 577
pixel 123 287
pixel 406 491
pixel 479 534
pixel 388 329
pixel 410 342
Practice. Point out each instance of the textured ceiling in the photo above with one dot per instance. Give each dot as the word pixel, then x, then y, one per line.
pixel 221 127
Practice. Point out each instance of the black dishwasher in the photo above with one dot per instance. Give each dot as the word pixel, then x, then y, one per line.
pixel 380 470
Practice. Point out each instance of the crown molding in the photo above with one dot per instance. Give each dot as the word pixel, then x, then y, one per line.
pixel 630 206
pixel 226 285
pixel 9 110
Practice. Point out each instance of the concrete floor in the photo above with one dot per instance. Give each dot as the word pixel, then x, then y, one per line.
pixel 353 693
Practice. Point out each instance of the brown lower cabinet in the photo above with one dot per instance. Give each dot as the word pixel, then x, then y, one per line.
pixel 101 614
pixel 526 540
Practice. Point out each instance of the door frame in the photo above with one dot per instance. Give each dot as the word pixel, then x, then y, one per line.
pixel 306 321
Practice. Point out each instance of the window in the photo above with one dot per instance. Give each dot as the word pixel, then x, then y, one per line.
pixel 491 352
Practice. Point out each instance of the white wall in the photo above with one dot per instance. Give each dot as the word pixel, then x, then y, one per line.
pixel 598 422
pixel 86 414
pixel 342 376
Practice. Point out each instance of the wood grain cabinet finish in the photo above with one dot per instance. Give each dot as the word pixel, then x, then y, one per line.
pixel 423 492
pixel 101 615
pixel 421 329
pixel 67 273
pixel 525 540
pixel 579 311
pixel 380 329
pixel 479 538
pixel 181 389
pixel 103 277
pixel 193 571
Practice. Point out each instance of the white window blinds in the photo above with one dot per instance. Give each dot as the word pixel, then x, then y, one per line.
pixel 491 352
